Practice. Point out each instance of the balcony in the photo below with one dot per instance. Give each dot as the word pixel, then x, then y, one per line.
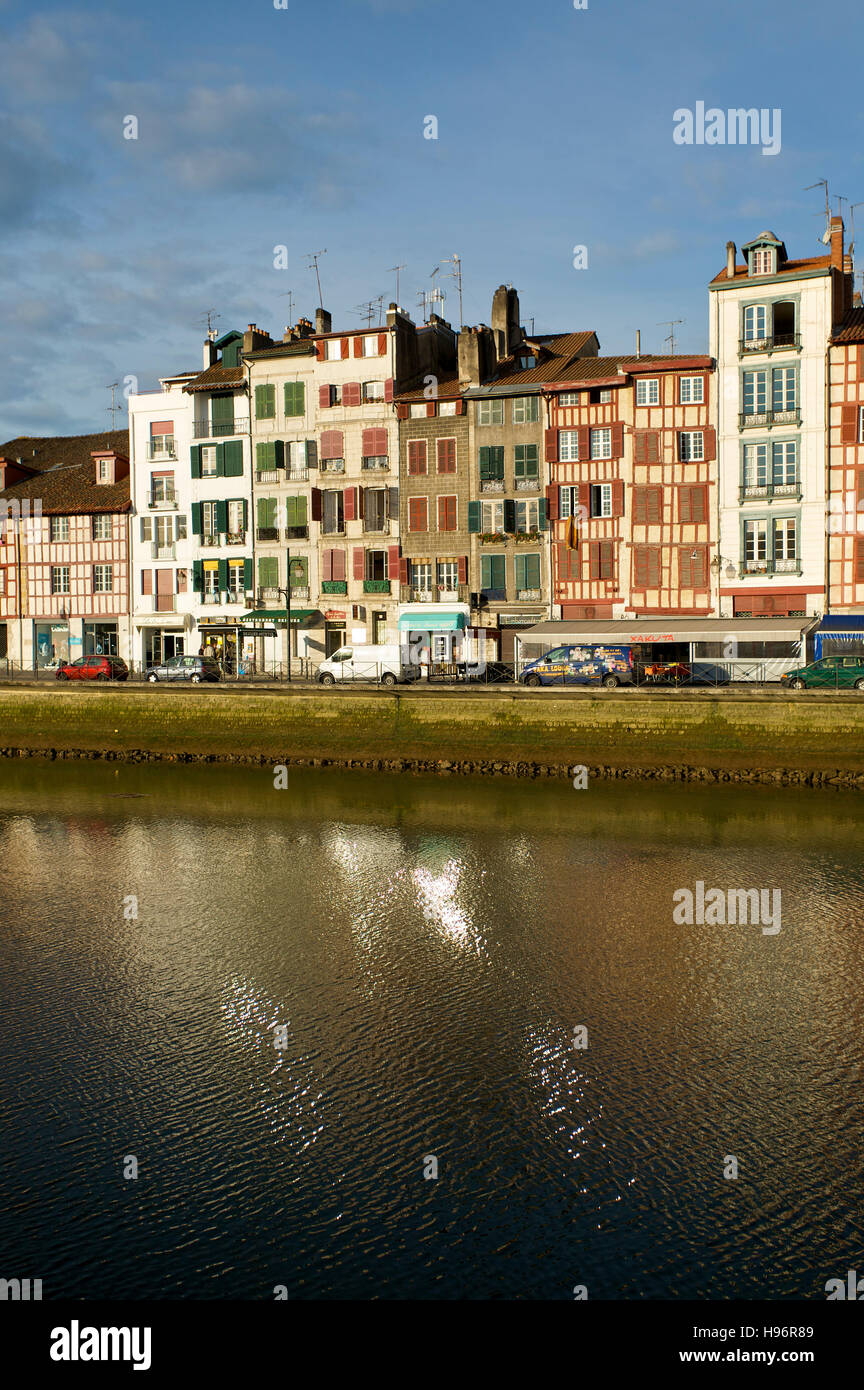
pixel 267 533
pixel 165 603
pixel 163 500
pixel 491 484
pixel 766 418
pixel 422 596
pixel 376 526
pixel 332 465
pixel 163 552
pixel 296 475
pixel 234 596
pixel 749 568
pixel 765 491
pixel 296 533
pixel 299 593
pixel 779 342
pixel 334 586
pixel 376 586
pixel 528 595
pixel 437 593
pixel 269 475
pixel 268 595
pixel 221 429
pixel 527 484
pixel 211 540
pixel 166 450
pixel 376 465
pixel 330 528
pixel 235 538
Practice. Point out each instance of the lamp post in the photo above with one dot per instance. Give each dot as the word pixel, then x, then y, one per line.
pixel 287 593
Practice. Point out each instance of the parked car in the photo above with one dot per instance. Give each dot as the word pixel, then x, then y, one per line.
pixel 387 663
pixel 845 672
pixel 185 668
pixel 93 668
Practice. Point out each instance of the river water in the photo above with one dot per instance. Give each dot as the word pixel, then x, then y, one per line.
pixel 421 950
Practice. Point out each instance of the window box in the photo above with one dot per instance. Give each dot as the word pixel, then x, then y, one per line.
pixel 267 533
pixel 532 536
pixel 235 538
pixel 296 533
pixel 492 537
pixel 491 484
pixel 334 586
pixel 376 586
pixel 528 595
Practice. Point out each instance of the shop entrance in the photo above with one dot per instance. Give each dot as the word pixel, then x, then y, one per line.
pixel 100 639
pixel 334 637
pixel 160 646
pixel 52 643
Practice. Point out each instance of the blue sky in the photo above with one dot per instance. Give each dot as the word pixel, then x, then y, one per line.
pixel 260 127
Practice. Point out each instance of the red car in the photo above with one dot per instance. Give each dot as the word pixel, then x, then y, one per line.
pixel 93 668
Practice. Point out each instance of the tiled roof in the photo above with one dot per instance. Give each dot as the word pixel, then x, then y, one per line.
pixel 38 453
pixel 555 356
pixel 788 270
pixel 218 378
pixel 302 347
pixel 448 389
pixel 851 330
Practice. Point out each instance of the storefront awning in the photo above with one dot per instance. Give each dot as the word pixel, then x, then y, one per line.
pixel 842 628
pixel 630 631
pixel 166 620
pixel 431 622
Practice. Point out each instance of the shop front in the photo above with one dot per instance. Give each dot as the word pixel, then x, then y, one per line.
pixel 437 634
pixel 100 639
pixel 263 623
pixel 52 643
pixel 840 634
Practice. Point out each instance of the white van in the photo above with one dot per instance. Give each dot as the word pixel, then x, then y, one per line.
pixel 388 664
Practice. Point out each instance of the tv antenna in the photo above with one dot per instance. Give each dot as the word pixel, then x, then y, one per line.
pixel 211 316
pixel 455 274
pixel 371 309
pixel 314 257
pixel 289 295
pixel 670 324
pixel 396 268
pixel 113 407
pixel 823 183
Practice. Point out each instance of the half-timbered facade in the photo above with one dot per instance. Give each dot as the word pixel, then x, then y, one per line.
pixel 846 467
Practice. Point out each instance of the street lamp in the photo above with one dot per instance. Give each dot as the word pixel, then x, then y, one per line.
pixel 287 593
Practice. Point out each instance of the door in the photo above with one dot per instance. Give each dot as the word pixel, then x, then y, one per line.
pixel 92 667
pixel 379 629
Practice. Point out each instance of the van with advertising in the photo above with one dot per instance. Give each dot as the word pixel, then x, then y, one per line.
pixel 581 665
pixel 390 664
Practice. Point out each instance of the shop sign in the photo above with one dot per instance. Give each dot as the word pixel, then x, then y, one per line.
pixel 335 615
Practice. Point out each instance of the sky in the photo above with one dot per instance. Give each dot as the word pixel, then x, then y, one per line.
pixel 303 127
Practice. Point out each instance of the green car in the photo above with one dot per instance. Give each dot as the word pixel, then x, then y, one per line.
pixel 843 672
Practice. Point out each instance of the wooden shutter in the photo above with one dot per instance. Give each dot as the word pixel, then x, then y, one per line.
pixel 709 443
pixel 418 514
pixel 617 497
pixel 382 344
pixel 510 516
pixel 222 516
pixel 319 349
pixel 340 564
pixel 350 503
pixel 195 455
pixel 463 569
pixel 474 516
pixel 346 348
pixel 647 505
pixel 388 389
pixel 393 503
pixel 404 577
pixel 693 572
pixel 460 406
pixel 859 559
pixel 358 347
pixel 551 444
pixel 234 458
pixel 859 491
pixel 316 504
pixel 849 424
pixel 323 397
pixel 617 439
pixel 147 581
pixel 583 441
pixel 542 521
pixel 375 443
pixel 327 564
pixel 331 445
pixel 417 456
pixel 248 577
pixel 392 561
pixel 583 499
pixel 646 446
pixel 198 576
pixel 693 504
pixel 552 501
pixel 446 455
pixel 403 410
pixel 352 393
pixel 861 364
pixel 223 575
pixel 446 513
pixel 359 562
pixel 197 522
pixel 646 566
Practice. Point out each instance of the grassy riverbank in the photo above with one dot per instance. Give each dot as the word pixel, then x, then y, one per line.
pixel 520 732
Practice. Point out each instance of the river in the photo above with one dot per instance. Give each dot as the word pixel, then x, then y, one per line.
pixel 292 1007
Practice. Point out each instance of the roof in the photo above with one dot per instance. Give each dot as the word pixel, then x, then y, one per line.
pixel 554 358
pixel 851 330
pixel 764 238
pixel 299 347
pixel 836 622
pixel 447 385
pixel 675 629
pixel 38 452
pixel 68 485
pixel 218 378
pixel 788 271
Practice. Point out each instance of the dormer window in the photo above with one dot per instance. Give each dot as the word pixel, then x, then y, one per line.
pixel 762 260
pixel 104 470
pixel 526 361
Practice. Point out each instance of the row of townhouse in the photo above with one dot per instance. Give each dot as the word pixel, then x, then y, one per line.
pixel 409 476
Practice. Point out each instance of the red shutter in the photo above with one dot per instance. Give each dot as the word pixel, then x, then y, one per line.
pixel 849 424
pixel 359 562
pixel 617 440
pixel 350 502
pixel 392 561
pixel 463 569
pixel 351 393
pixel 416 456
pixel 319 349
pixel 861 364
pixel 388 389
pixel 316 504
pixel 460 407
pixel 446 513
pixel 323 397
pixel 403 411
pixel 594 560
pixel 709 443
pixel 552 501
pixel 551 437
pixel 653 446
pixel 358 347
pixel 361 502
pixel 331 445
pixel 327 564
pixel 583 498
pixel 403 571
pixel 382 344
pixel 446 455
pixel 340 564
pixel 640 447
pixel 617 497
pixel 146 581
pixel 346 347
pixel 583 436
pixel 418 514
pixel 859 559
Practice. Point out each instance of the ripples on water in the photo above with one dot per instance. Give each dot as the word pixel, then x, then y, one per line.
pixel 424 951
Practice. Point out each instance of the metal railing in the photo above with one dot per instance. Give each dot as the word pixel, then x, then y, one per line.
pixel 748 419
pixel 161 451
pixel 773 342
pixel 219 429
pixel 164 499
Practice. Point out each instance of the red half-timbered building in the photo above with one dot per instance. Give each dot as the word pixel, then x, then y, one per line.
pixel 846 467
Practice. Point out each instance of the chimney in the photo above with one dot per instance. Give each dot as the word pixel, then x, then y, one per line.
pixel 638 342
pixel 255 338
pixel 323 321
pixel 837 243
pixel 505 320
pixel 210 354
pixel 730 260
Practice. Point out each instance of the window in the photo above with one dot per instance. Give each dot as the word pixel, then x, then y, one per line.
pixel 526 462
pixel 491 517
pixel 785 463
pixel 448 575
pixel 762 261
pixel 785 539
pixel 755 465
pixel 59 528
pixel 416 456
pixel 527 575
pixel 601 560
pixel 211 581
pixel 601 499
pixel 296 517
pixel 784 389
pixel 418 412
pixel 418 514
pixel 447 513
pixel 493 575
pixel 421 576
pixel 527 516
pixel 526 410
pixel 209 461
pixel 490 413
pixel 446 455
pixel 646 566
pixel 373 390
pixel 492 462
pixel 375 448
pixel 601 444
pixel 599 395
pixel 648 392
pixel 209 520
pixel 568 446
pixel 755 323
pixel 755 543
pixel 334 565
pixel 268 572
pixel 237 517
pixel 693 504
pixel 2 581
pixel 447 407
pixel 568 501
pixel 375 509
pixel 525 361
pixel 370 345
pixel 333 350
pixel 335 395
pixel 861 424
pixel 568 398
pixel 103 471
pixel 691 390
pixel 60 579
pixel 265 402
pixel 236 584
pixel 102 527
pixel 755 393
pixel 295 398
pixel 103 579
pixel 690 446
pixel 647 505
pixel 332 512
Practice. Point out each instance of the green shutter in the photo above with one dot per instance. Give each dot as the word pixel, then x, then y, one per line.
pixel 222 408
pixel 233 458
pixel 220 460
pixel 266 512
pixel 231 354
pixel 198 576
pixel 197 524
pixel 223 575
pixel 248 577
pixel 509 515
pixel 268 572
pixel 265 402
pixel 295 398
pixel 473 516
pixel 278 453
pixel 222 517
pixel 499 572
pixel 484 462
pixel 541 514
pixel 301 511
pixel 520 571
pixel 196 460
pixel 295 511
pixel 532 572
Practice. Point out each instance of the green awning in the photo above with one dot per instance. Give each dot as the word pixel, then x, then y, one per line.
pixel 431 622
pixel 279 615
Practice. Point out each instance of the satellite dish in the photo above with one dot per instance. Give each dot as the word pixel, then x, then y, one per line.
pixel 826 236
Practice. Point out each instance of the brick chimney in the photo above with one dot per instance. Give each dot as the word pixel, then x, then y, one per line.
pixel 837 243
pixel 323 321
pixel 255 338
pixel 730 260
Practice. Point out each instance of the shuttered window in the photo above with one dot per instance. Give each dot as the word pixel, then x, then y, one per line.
pixel 646 566
pixel 446 455
pixel 647 505
pixel 693 504
pixel 265 402
pixel 416 456
pixel 693 567
pixel 492 462
pixel 446 513
pixel 295 398
pixel 268 572
pixel 418 514
pixel 601 560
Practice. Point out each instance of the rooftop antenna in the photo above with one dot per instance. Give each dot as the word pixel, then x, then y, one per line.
pixel 422 300
pixel 211 316
pixel 370 310
pixel 456 274
pixel 314 257
pixel 396 268
pixel 113 407
pixel 289 295
pixel 670 324
pixel 823 183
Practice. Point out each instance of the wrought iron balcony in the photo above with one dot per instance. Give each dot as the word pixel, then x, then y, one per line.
pixel 376 465
pixel 376 586
pixel 378 526
pixel 268 475
pixel 757 567
pixel 165 450
pixel 163 499
pixel 527 484
pixel 528 595
pixel 296 533
pixel 491 484
pixel 268 595
pixel 776 342
pixel 211 540
pixel 332 465
pixel 751 491
pixel 267 533
pixel 163 552
pixel 334 586
pixel 220 429
pixel 763 418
